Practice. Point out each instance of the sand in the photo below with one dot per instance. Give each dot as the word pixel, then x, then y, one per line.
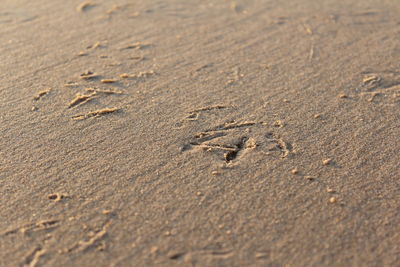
pixel 200 133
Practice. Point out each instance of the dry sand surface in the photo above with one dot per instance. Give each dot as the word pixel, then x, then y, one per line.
pixel 200 133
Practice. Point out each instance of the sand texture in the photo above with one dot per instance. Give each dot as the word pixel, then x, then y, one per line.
pixel 200 133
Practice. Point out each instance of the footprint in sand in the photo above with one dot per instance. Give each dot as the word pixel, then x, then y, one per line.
pixel 381 87
pixel 232 140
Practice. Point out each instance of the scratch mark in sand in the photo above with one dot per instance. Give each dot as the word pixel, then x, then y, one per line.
pixel 96 113
pixel 84 245
pixel 81 99
pixel 85 6
pixel 33 258
pixel 33 227
pixel 41 94
pixel 231 125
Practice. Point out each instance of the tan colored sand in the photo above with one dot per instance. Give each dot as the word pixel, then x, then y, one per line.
pixel 234 133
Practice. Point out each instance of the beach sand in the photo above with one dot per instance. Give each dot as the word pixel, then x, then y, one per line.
pixel 200 133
